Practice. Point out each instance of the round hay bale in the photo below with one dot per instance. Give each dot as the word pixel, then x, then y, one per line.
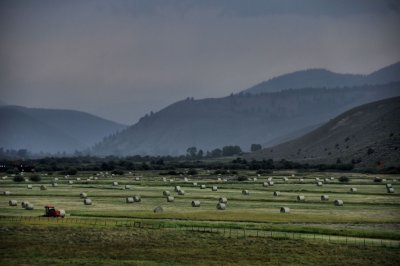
pixel 270 183
pixel 6 193
pixel 195 203
pixel 186 179
pixel 181 192
pixel 195 184
pixel 317 179
pixel 137 198
pixel 214 188
pixel 87 201
pixel 62 213
pixel 326 180
pixel 324 197
pixel 83 195
pixel 55 179
pixel 137 178
pixel 319 184
pixel 388 185
pixel 255 179
pixel 177 188
pixel 353 189
pixel 158 209
pixel 245 192
pixel 70 182
pixel 390 190
pixel 203 187
pixel 301 180
pixel 276 193
pixel 170 199
pixel 285 210
pixel 221 206
pixel 269 179
pixel 23 204
pixel 43 187
pixel 29 186
pixel 338 202
pixel 265 184
pixel 219 178
pixel 115 183
pixel 12 203
pixel 166 193
pixel 127 187
pixel 78 179
pixel 285 179
pixel 164 179
pixel 54 184
pixel 301 198
pixel 223 200
pixel 29 206
pixel 129 200
pixel 332 178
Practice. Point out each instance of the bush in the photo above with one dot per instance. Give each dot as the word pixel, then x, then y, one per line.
pixel 242 178
pixel 35 178
pixel 117 172
pixel 192 172
pixel 344 179
pixel 18 178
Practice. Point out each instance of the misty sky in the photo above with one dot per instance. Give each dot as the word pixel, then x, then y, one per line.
pixel 122 59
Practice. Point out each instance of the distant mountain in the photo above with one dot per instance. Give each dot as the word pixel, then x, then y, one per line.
pixel 322 78
pixel 368 135
pixel 50 130
pixel 240 119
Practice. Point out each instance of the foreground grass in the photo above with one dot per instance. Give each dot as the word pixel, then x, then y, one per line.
pixel 66 244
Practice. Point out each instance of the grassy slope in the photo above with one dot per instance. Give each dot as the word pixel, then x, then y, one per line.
pixel 66 244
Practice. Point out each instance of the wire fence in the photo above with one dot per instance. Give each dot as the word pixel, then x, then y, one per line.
pixel 226 231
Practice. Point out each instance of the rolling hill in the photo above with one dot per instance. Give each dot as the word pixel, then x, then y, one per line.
pixel 322 78
pixel 368 135
pixel 50 130
pixel 240 119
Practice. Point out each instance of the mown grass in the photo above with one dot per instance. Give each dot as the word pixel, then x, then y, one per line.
pixel 66 244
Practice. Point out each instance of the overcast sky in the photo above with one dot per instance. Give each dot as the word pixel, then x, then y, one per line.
pixel 122 59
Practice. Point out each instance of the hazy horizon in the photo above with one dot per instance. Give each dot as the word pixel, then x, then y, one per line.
pixel 122 59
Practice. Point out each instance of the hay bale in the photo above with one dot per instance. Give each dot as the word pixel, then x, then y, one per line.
pixel 78 179
pixel 54 184
pixel 87 201
pixel 170 199
pixel 115 183
pixel 255 179
pixel 214 188
pixel 29 206
pixel 137 198
pixel 301 198
pixel 223 200
pixel 177 188
pixel 12 203
pixel 324 197
pixel 338 202
pixel 301 180
pixel 158 209
pixel 195 184
pixel 181 192
pixel 83 195
pixel 265 184
pixel 285 179
pixel 270 183
pixel 70 182
pixel 129 200
pixel 319 184
pixel 317 179
pixel 43 187
pixel 195 203
pixel 62 213
pixel 166 193
pixel 390 190
pixel 29 186
pixel 6 193
pixel 219 178
pixel 332 178
pixel 388 185
pixel 186 179
pixel 23 204
pixel 127 187
pixel 137 178
pixel 276 193
pixel 164 179
pixel 245 192
pixel 203 187
pixel 221 206
pixel 353 189
pixel 285 210
pixel 269 179
pixel 55 179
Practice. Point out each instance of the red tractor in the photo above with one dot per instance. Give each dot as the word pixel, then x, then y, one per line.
pixel 50 211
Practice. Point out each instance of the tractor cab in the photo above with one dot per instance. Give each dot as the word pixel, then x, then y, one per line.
pixel 50 211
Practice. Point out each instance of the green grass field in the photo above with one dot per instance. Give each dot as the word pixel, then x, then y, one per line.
pixel 370 213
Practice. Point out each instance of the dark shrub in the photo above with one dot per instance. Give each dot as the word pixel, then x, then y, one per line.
pixel 192 172
pixel 242 178
pixel 35 178
pixel 344 178
pixel 18 178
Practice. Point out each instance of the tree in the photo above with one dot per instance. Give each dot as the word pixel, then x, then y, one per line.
pixel 216 153
pixel 200 154
pixel 231 150
pixel 255 147
pixel 192 151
